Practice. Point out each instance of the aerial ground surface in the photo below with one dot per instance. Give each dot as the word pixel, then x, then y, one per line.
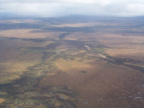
pixel 72 62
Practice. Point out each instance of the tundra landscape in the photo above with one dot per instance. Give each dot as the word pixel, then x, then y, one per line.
pixel 72 62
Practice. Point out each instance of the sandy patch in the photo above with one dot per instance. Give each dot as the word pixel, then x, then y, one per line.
pixel 2 100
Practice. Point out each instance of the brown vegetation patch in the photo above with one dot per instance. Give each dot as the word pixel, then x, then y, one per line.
pixel 125 47
pixel 12 70
pixel 132 53
pixel 66 65
pixel 2 100
pixel 19 21
pixel 27 33
pixel 102 80
pixel 80 24
pixel 18 55
pixel 19 43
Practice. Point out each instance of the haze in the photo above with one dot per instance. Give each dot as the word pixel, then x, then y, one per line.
pixel 52 8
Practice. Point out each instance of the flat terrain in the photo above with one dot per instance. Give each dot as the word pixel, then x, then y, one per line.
pixel 72 62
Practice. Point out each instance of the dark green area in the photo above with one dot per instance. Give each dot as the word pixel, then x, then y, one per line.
pixel 19 26
pixel 119 61
pixel 63 35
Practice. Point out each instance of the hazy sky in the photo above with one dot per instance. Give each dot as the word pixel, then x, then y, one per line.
pixel 50 8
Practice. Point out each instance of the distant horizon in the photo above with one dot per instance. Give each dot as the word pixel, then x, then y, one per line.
pixel 12 15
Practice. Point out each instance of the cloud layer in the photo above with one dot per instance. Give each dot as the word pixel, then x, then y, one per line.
pixel 50 8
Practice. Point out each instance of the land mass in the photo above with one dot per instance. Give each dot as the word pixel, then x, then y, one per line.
pixel 72 62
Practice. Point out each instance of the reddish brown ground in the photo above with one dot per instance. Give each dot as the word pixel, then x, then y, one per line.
pixel 2 100
pixel 102 85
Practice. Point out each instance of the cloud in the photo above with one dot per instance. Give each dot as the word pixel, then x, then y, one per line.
pixel 50 8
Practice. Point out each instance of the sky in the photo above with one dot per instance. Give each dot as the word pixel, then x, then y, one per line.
pixel 55 8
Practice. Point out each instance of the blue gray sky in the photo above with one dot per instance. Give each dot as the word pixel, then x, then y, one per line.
pixel 52 8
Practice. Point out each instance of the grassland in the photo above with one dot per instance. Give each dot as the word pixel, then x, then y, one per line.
pixel 67 63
